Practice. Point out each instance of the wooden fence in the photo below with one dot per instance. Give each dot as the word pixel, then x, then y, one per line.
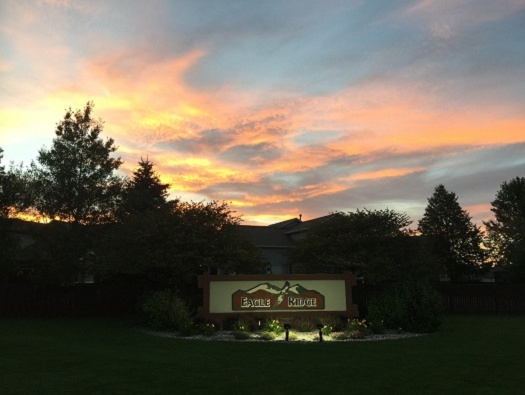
pixel 80 300
pixel 110 300
pixel 463 298
pixel 483 298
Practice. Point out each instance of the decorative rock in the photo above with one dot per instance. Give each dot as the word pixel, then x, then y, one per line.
pixel 308 337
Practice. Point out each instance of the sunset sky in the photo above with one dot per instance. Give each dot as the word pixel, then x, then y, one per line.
pixel 281 107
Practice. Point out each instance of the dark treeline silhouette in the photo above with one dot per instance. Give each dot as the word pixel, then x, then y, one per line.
pixel 107 226
pixel 120 229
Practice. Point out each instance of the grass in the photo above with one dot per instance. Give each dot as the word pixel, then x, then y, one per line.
pixel 468 355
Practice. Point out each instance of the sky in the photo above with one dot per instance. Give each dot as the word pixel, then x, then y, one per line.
pixel 280 108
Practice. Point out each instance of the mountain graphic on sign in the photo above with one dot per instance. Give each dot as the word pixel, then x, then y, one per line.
pixel 267 287
pixel 270 288
pixel 267 296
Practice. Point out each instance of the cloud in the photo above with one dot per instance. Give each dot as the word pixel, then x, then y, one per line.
pixel 467 11
pixel 5 66
pixel 206 142
pixel 281 108
pixel 256 153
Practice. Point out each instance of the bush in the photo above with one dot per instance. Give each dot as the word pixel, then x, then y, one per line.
pixel 377 327
pixel 242 326
pixel 334 322
pixel 357 325
pixel 327 329
pixel 165 311
pixel 207 329
pixel 273 326
pixel 188 328
pixel 412 306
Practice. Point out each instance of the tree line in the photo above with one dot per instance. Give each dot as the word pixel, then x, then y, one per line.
pixel 379 245
pixel 120 227
pixel 116 227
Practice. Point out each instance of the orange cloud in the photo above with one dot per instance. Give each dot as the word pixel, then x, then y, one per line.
pixel 384 173
pixel 146 101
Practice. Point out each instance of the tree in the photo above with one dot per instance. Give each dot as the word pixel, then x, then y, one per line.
pixel 506 231
pixel 3 202
pixel 75 180
pixel 170 246
pixel 8 242
pixel 373 243
pixel 144 191
pixel 452 237
pixel 4 256
pixel 17 195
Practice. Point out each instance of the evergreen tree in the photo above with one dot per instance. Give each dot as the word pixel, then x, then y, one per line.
pixel 451 236
pixel 144 191
pixel 506 232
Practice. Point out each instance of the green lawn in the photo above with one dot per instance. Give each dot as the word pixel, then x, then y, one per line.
pixel 468 355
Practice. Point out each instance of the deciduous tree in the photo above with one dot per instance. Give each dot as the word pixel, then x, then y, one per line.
pixel 9 243
pixel 170 246
pixel 4 201
pixel 374 243
pixel 75 179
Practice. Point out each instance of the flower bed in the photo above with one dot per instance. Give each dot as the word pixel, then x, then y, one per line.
pixel 294 337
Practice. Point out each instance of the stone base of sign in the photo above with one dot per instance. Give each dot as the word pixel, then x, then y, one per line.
pixel 277 296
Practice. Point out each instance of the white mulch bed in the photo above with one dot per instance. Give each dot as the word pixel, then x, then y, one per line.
pixel 299 337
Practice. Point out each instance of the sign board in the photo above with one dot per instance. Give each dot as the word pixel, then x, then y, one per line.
pixel 277 295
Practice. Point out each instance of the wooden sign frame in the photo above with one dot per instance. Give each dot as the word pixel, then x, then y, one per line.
pixel 281 292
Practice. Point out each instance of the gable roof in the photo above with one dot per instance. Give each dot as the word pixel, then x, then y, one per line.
pixel 280 234
pixel 303 226
pixel 267 236
pixel 289 223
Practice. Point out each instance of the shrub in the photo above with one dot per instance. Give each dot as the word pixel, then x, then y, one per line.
pixel 333 321
pixel 357 325
pixel 412 306
pixel 242 326
pixel 188 328
pixel 207 329
pixel 165 311
pixel 327 329
pixel 377 327
pixel 273 326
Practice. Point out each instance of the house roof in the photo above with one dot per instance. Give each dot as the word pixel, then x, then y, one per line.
pixel 279 234
pixel 267 236
pixel 303 226
pixel 289 223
